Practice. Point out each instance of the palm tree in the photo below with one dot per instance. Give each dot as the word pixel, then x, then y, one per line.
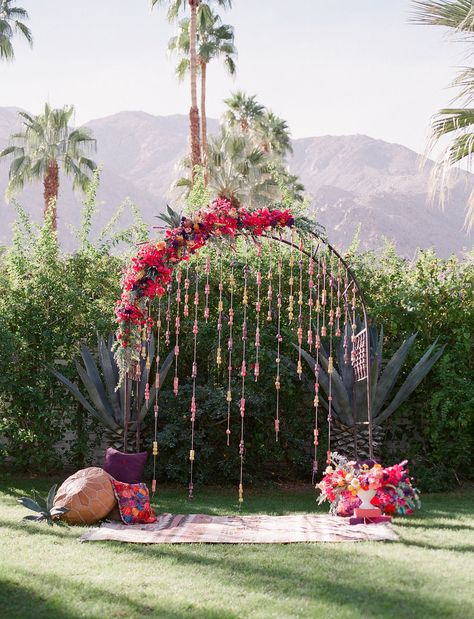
pixel 240 170
pixel 45 144
pixel 275 135
pixel 244 111
pixel 11 23
pixel 214 40
pixel 454 122
pixel 174 8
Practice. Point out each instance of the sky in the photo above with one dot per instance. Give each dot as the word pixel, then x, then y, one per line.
pixel 340 67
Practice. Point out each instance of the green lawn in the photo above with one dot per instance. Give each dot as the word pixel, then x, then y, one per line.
pixel 46 572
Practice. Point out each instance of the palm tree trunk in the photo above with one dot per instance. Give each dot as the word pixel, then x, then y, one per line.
pixel 50 192
pixel 204 121
pixel 194 111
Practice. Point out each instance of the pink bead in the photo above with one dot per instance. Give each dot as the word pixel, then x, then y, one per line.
pixel 277 425
pixel 310 337
pixel 206 313
pixel 186 284
pixel 147 392
pixel 243 371
pixel 195 328
pixel 258 306
pixel 176 350
pixel 227 432
pixel 259 278
pixel 175 385
pixel 241 448
pixel 207 289
pixel 256 370
pixel 194 370
pixel 193 405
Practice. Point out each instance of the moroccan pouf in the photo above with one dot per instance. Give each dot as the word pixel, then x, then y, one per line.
pixel 88 495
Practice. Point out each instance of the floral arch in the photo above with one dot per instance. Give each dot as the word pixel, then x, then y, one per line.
pixel 324 297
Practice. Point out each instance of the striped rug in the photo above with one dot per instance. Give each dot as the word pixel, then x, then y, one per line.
pixel 261 529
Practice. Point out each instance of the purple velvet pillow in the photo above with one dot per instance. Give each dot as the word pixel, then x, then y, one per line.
pixel 127 468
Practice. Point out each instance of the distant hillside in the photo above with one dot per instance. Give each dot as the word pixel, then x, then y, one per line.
pixel 352 180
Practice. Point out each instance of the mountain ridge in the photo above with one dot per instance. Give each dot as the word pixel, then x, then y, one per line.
pixel 352 180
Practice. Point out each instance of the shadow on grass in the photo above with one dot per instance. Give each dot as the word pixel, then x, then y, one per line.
pixel 18 601
pixel 253 570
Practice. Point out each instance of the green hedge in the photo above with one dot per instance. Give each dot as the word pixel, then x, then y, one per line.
pixel 50 302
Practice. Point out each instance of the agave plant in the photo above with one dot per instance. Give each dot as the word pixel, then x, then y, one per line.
pixel 107 404
pixel 349 397
pixel 44 508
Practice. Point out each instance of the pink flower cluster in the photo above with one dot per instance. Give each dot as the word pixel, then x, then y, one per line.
pixel 343 479
pixel 151 269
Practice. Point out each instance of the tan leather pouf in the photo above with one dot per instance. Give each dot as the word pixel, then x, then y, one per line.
pixel 88 495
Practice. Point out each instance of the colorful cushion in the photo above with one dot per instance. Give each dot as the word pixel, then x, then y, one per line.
pixel 134 503
pixel 88 495
pixel 125 467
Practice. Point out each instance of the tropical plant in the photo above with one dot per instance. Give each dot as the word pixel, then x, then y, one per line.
pixel 174 9
pixel 45 144
pixel 44 508
pixel 456 123
pixel 214 40
pixel 11 23
pixel 107 404
pixel 243 111
pixel 240 170
pixel 349 397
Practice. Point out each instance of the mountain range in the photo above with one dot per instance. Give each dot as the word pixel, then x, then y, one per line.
pixel 353 182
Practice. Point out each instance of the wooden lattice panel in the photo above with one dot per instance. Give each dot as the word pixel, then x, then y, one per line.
pixel 359 355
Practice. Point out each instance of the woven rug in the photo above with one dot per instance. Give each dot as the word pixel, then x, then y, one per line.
pixel 200 528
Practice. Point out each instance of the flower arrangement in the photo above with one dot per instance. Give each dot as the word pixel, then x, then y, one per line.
pixel 343 479
pixel 151 269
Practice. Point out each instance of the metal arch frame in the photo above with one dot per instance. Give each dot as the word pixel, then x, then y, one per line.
pixel 355 281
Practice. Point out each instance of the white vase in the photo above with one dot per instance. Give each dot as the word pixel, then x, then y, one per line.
pixel 366 496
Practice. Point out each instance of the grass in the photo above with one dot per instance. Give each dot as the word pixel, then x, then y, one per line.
pixel 46 573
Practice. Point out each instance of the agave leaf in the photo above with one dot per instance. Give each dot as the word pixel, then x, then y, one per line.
pixel 390 374
pixel 42 503
pixel 75 391
pixel 33 518
pixel 58 511
pixel 30 504
pixel 165 366
pixel 414 378
pixel 51 496
pixel 376 361
pixel 105 417
pixel 100 398
pixel 108 366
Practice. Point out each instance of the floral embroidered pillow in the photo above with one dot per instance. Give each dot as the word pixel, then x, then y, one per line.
pixel 134 503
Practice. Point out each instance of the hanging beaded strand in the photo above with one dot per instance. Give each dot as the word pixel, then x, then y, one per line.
pixel 270 280
pixel 324 297
pixel 194 376
pixel 279 340
pixel 230 346
pixel 291 282
pixel 207 288
pixel 169 289
pixel 330 369
pixel 338 297
pixel 243 374
pixel 317 370
pixel 258 307
pixel 186 293
pixel 157 388
pixel 309 336
pixel 345 298
pixel 220 309
pixel 299 367
pixel 177 329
